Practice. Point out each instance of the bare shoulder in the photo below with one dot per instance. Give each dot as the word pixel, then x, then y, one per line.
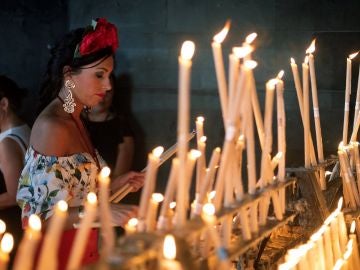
pixel 51 134
pixel 10 151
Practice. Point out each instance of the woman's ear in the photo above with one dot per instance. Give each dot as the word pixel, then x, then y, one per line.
pixel 67 71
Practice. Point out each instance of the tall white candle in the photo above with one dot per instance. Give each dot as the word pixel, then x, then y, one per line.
pixel 151 215
pixel 357 103
pixel 219 68
pixel 149 184
pixel 25 254
pixel 49 251
pixel 107 230
pixel 7 244
pixel 306 110
pixel 185 63
pixel 319 142
pixel 81 237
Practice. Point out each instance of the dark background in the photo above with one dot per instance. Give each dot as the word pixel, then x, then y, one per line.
pixel 151 34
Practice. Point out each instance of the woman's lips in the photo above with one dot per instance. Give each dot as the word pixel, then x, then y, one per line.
pixel 101 95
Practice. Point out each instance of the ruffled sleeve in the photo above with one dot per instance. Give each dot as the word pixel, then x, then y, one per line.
pixel 45 180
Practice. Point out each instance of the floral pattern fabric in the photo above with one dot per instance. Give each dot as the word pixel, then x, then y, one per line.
pixel 45 180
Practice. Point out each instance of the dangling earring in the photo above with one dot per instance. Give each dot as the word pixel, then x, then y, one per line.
pixel 69 103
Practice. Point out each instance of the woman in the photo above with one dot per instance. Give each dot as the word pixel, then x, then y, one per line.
pixel 14 140
pixel 61 163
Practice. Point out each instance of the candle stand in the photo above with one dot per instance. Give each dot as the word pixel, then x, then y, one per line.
pixel 142 250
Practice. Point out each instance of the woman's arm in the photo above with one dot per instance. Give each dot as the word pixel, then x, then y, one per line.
pixel 124 157
pixel 11 165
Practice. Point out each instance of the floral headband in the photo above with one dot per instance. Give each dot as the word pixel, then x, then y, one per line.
pixel 99 35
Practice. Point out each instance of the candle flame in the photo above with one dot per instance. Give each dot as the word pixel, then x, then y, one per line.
pixel 306 60
pixel 279 155
pixel 250 38
pixel 105 172
pixel 292 61
pixel 271 83
pixel 217 149
pixel 7 243
pixel 158 151
pixel 352 227
pixel 212 194
pixel 280 74
pixel 133 222
pixel 62 206
pixel 219 38
pixel 241 52
pixel 340 203
pixel 194 154
pixel 338 265
pixel 157 197
pixel 208 209
pixel 91 198
pixel 200 119
pixel 187 50
pixel 203 139
pixel 353 55
pixel 311 48
pixel 2 226
pixel 341 145
pixel 172 205
pixel 250 64
pixel 241 137
pixel 327 173
pixel 169 248
pixel 35 222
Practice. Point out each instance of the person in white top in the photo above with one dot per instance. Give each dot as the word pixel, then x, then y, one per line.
pixel 14 140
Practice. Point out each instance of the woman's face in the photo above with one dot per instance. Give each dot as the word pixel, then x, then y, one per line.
pixel 92 83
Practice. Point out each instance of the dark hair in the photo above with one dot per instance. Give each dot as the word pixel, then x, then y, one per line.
pixel 63 55
pixel 10 90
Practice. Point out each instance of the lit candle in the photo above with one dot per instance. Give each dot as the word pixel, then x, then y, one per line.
pixel 169 254
pixel 347 98
pixel 319 142
pixel 149 184
pixel 81 236
pixel 185 63
pixel 357 104
pixel 219 68
pixel 306 112
pixel 25 254
pixel 200 165
pixel 7 244
pixel 300 98
pixel 151 215
pixel 352 237
pixel 130 226
pixel 107 230
pixel 49 250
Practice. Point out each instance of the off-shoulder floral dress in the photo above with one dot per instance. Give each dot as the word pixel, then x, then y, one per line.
pixel 45 180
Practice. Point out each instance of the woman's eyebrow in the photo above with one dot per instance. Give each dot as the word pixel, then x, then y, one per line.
pixel 103 68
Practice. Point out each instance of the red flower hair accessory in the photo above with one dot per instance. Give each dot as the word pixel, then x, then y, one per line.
pixel 101 34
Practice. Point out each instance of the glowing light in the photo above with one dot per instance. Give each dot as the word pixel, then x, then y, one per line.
pixel 311 48
pixel 212 194
pixel 292 61
pixel 200 119
pixel 2 226
pixel 250 64
pixel 7 243
pixel 209 209
pixel 158 151
pixel 241 52
pixel 194 154
pixel 91 198
pixel 169 248
pixel 157 197
pixel 187 50
pixel 133 222
pixel 219 37
pixel 353 55
pixel 35 222
pixel 172 205
pixel 105 172
pixel 250 38
pixel 280 74
pixel 352 227
pixel 306 60
pixel 203 139
pixel 62 206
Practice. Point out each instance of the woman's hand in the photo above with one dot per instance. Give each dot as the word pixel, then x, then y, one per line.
pixel 121 213
pixel 134 179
